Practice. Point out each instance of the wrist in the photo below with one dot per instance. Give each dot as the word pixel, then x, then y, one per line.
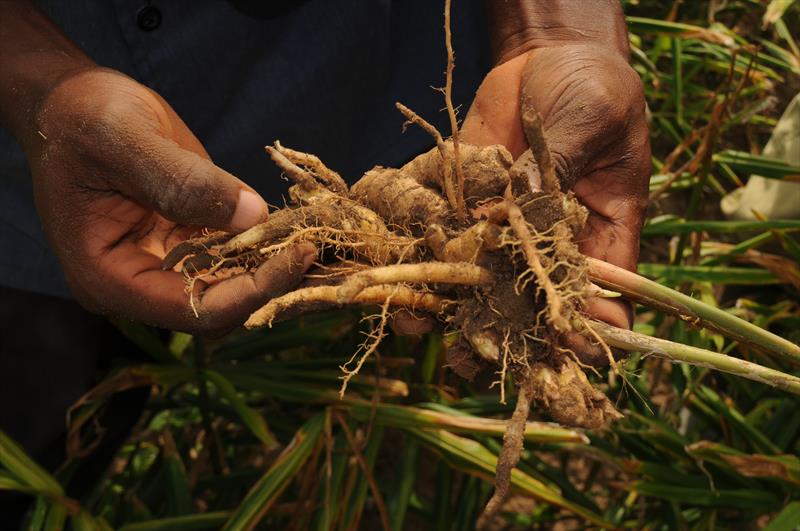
pixel 34 57
pixel 519 26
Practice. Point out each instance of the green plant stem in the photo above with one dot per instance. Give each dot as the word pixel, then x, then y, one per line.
pixel 633 341
pixel 412 417
pixel 214 442
pixel 654 295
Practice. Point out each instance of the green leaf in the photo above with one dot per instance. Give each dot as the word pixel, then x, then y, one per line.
pixel 178 491
pixel 678 29
pixel 250 417
pixel 715 274
pixel 738 498
pixel 287 391
pixel 25 470
pixel 38 514
pixel 680 226
pixel 83 521
pixel 758 164
pixel 195 522
pixel 397 503
pixel 56 518
pixel 775 10
pixel 476 459
pixel 264 493
pixel 354 507
pixel 785 467
pixel 456 421
pixel 786 520
pixel 331 489
pixel 8 482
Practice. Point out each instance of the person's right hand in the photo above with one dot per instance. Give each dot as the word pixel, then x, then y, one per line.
pixel 119 179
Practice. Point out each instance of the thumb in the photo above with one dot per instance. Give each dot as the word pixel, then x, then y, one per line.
pixel 189 189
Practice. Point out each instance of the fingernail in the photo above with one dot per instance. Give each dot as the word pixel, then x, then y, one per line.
pixel 250 210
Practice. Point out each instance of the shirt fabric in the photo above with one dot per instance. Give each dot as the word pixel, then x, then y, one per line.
pixel 321 76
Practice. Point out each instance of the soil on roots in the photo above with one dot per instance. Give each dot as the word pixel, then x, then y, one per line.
pixel 508 279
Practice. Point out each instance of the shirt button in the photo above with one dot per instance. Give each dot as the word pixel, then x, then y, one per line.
pixel 148 18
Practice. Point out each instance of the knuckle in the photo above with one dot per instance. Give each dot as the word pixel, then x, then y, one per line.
pixel 609 87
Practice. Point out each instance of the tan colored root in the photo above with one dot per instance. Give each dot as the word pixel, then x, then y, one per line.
pixel 569 396
pixel 510 453
pixel 485 170
pixel 303 178
pixel 330 178
pixel 191 247
pixel 467 246
pixel 371 344
pixel 451 113
pixel 606 349
pixel 338 215
pixel 555 305
pixel 534 132
pixel 375 248
pixel 447 176
pixel 400 199
pixel 422 273
pixel 324 297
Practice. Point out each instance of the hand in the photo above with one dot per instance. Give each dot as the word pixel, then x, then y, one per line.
pixel 593 109
pixel 119 179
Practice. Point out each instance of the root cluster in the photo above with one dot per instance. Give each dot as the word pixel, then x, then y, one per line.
pixel 505 277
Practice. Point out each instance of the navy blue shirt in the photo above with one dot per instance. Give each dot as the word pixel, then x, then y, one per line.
pixel 319 75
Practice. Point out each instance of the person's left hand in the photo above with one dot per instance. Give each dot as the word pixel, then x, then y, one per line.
pixel 593 110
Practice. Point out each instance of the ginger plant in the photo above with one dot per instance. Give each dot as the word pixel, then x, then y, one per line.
pixel 460 235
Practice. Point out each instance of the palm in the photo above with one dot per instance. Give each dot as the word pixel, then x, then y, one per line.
pixel 121 180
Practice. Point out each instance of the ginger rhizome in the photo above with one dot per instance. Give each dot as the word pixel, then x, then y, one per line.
pixel 505 278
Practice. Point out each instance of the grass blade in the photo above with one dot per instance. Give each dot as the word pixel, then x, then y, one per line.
pixel 787 519
pixel 195 522
pixel 481 462
pixel 397 505
pixel 758 164
pixel 56 518
pixel 25 470
pixel 264 493
pixel 680 30
pixel 681 226
pixel 674 275
pixel 738 498
pixel 458 422
pixel 249 416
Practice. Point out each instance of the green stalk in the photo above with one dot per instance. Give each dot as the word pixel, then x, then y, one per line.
pixel 632 341
pixel 412 417
pixel 654 295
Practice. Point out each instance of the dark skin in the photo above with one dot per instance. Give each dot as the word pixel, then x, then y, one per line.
pixel 572 63
pixel 119 179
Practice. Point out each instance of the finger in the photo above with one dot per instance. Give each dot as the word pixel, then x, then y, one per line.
pixel 231 302
pixel 187 188
pixel 613 227
pixel 130 283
